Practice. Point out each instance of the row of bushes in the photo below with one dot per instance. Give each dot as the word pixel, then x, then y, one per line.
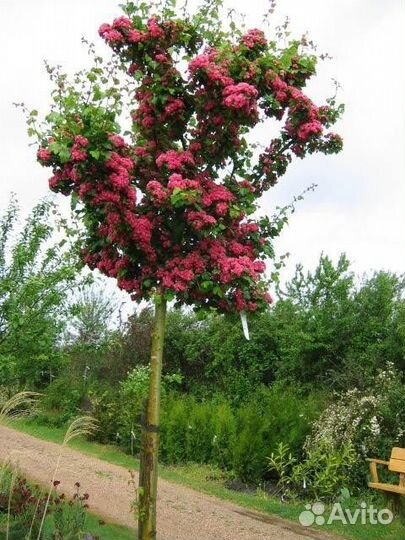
pixel 238 439
pixel 280 420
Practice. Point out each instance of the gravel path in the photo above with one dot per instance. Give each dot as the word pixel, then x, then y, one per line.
pixel 183 514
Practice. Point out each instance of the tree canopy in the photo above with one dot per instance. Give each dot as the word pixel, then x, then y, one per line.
pixel 169 206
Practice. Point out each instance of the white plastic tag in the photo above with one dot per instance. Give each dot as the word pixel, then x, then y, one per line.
pixel 245 326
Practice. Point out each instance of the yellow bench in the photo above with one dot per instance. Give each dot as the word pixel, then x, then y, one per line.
pixel 395 464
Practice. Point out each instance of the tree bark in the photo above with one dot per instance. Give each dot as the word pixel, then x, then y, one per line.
pixel 148 473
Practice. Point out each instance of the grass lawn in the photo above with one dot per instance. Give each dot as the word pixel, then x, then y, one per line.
pixel 209 480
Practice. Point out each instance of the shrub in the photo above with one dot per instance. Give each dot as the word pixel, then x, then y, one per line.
pixel 174 426
pixel 130 401
pixel 132 394
pixel 252 444
pixel 322 475
pixel 274 415
pixel 23 505
pixel 325 472
pixel 371 421
pixel 69 519
pixel 106 409
pixel 210 430
pixel 224 427
pixel 62 401
pixel 202 432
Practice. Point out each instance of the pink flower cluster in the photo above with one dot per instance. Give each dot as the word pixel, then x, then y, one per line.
pixel 176 181
pixel 176 106
pixel 254 38
pixel 168 112
pixel 157 192
pixel 44 155
pixel 122 23
pixel 307 130
pixel 202 62
pixel 110 34
pixel 217 197
pixel 145 113
pixel 179 272
pixel 117 141
pixel 121 168
pixel 175 161
pixel 207 65
pixel 220 100
pixel 304 118
pixel 155 31
pixel 273 163
pixel 141 231
pixel 78 151
pixel 122 31
pixel 280 87
pixel 242 97
pixel 200 220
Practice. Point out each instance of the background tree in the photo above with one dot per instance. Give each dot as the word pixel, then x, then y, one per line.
pixel 135 343
pixel 169 213
pixel 333 329
pixel 92 330
pixel 36 278
pixel 93 313
pixel 320 315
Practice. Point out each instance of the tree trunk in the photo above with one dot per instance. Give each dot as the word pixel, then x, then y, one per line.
pixel 148 473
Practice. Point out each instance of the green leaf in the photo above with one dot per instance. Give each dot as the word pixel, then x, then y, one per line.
pixel 92 76
pixel 234 212
pixel 74 200
pixel 54 147
pixel 218 291
pixel 207 285
pixel 170 295
pixel 98 94
pixel 64 154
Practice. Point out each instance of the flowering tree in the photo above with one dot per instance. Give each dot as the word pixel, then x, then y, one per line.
pixel 168 207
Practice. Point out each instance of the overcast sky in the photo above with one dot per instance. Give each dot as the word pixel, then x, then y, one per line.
pixel 359 204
